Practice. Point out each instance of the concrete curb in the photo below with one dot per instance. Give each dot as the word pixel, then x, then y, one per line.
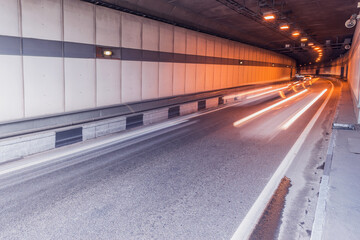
pixel 320 213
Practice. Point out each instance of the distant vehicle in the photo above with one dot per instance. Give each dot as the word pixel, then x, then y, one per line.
pixel 307 77
pixel 299 76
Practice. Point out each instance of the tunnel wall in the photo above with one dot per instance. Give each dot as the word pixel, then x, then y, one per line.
pixel 354 70
pixel 333 68
pixel 52 62
pixel 347 67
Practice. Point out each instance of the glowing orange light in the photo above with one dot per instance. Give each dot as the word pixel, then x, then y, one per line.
pixel 284 27
pixel 269 16
pixel 316 48
pixel 310 44
pixel 304 39
pixel 296 33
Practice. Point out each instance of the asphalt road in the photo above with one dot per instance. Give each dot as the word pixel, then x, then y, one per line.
pixel 195 181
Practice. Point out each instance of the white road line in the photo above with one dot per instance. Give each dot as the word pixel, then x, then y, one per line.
pixel 252 217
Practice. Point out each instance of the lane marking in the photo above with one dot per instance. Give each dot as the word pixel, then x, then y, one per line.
pixel 252 217
pixel 245 119
pixel 302 111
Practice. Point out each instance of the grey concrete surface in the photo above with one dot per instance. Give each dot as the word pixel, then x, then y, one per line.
pixel 342 213
pixel 195 182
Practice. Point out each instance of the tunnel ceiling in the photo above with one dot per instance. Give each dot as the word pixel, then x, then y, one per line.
pixel 322 21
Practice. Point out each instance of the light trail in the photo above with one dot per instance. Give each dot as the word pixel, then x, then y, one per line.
pixel 241 121
pixel 298 114
pixel 261 94
pixel 247 92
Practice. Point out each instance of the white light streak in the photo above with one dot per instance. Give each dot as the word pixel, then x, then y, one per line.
pixel 298 114
pixel 247 92
pixel 261 94
pixel 239 122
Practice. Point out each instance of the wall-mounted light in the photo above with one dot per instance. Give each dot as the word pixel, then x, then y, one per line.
pixel 273 65
pixel 107 53
pixel 310 44
pixel 284 26
pixel 269 16
pixel 295 33
pixel 304 39
pixel 240 62
pixel 316 48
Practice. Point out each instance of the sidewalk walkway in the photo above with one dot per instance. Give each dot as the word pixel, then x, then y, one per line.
pixel 338 209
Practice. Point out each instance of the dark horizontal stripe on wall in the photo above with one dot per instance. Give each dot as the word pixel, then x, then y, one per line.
pixel 79 50
pixel 10 45
pixel 49 48
pixel 44 48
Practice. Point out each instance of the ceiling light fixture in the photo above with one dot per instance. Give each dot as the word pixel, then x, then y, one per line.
pixel 304 39
pixel 284 26
pixel 296 33
pixel 269 16
pixel 310 44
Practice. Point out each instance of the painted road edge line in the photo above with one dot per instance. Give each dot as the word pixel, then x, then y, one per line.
pixel 248 224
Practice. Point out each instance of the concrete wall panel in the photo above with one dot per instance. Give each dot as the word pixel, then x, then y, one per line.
pixel 210 47
pixel 150 80
pixel 190 78
pixel 209 77
pixel 11 90
pixel 217 77
pixel 9 18
pixel 150 35
pixel 43 84
pixel 165 79
pixel 200 77
pixel 130 31
pixel 179 78
pixel 130 81
pixel 224 76
pixel 108 82
pixel 107 27
pixel 79 84
pixel 179 40
pixel 79 24
pixel 217 52
pixel 166 38
pixel 42 19
pixel 191 42
pixel 201 45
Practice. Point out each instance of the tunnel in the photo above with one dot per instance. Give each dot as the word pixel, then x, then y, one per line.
pixel 178 119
